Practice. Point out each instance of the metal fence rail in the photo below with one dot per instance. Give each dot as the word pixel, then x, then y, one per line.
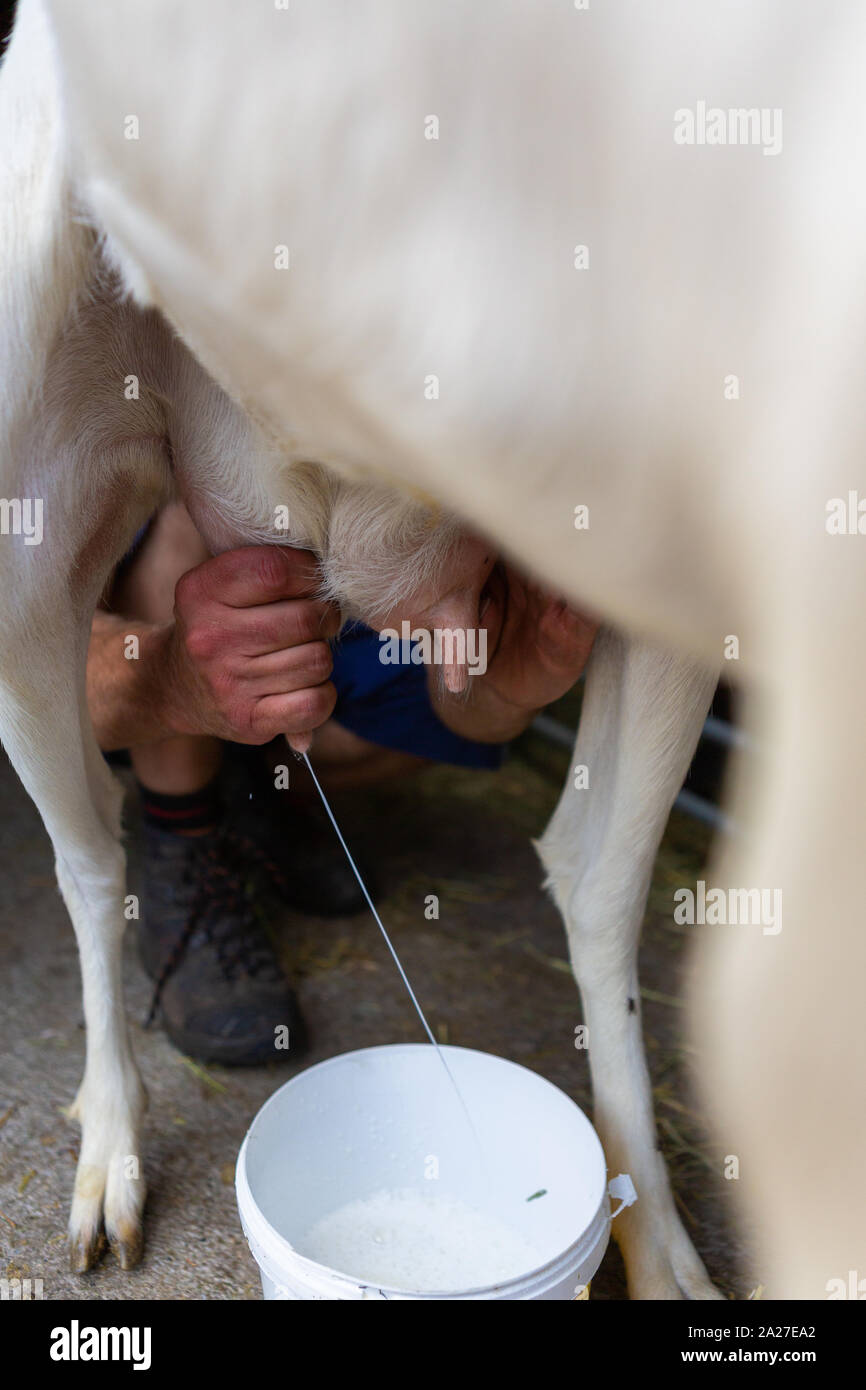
pixel 715 730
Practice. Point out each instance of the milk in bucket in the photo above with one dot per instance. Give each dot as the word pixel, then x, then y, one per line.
pixel 361 1178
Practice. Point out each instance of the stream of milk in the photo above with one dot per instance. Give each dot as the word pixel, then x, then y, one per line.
pixel 411 1240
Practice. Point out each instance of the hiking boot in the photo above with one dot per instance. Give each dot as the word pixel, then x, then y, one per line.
pixel 298 846
pixel 220 990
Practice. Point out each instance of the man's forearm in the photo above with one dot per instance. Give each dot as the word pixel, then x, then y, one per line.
pixel 126 692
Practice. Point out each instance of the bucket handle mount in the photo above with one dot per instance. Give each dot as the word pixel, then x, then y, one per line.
pixel 622 1188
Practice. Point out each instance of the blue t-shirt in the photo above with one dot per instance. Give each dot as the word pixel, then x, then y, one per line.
pixel 390 704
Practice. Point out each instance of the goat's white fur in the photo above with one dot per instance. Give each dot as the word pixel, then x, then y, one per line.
pixel 410 259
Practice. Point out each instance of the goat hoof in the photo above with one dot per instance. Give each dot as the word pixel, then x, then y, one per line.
pixel 85 1252
pixel 127 1245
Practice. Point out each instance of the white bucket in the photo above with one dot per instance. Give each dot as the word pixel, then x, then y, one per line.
pixel 383 1118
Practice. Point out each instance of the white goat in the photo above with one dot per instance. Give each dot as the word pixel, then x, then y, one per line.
pixel 551 302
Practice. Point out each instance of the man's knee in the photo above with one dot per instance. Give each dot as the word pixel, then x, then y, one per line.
pixel 144 586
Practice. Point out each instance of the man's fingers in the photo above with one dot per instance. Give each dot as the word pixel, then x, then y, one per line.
pixel 254 575
pixel 299 712
pixel 564 636
pixel 255 632
pixel 274 627
pixel 280 672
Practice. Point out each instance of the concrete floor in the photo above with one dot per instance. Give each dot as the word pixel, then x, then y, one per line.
pixel 490 974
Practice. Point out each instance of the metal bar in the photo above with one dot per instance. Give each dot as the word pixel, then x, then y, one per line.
pixel 700 809
pixel 727 734
pixel 687 801
pixel 554 730
pixel 714 729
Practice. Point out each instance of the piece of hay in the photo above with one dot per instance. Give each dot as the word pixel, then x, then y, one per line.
pixel 205 1076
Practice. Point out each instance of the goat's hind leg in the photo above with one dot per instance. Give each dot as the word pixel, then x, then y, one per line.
pixel 642 715
pixel 46 731
pixel 109 1185
pixel 73 444
pixel 45 615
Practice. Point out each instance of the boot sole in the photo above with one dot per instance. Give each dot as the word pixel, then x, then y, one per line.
pixel 235 1053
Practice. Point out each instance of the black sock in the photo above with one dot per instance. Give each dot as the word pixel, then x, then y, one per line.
pixel 199 810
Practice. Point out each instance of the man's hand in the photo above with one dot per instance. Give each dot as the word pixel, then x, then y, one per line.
pixel 247 654
pixel 246 657
pixel 537 647
pixel 537 644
